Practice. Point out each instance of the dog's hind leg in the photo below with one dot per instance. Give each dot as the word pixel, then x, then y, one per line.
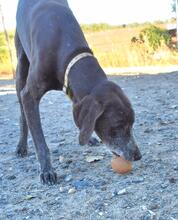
pixel 21 76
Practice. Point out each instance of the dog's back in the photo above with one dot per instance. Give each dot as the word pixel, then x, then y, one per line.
pixel 42 25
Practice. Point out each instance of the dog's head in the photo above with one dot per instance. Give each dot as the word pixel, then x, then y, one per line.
pixel 108 112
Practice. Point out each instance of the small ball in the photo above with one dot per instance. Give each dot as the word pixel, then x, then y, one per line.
pixel 120 165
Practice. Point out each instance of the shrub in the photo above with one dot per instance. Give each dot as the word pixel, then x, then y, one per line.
pixel 154 37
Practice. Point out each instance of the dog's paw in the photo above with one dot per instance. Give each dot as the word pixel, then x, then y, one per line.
pixel 21 151
pixel 48 177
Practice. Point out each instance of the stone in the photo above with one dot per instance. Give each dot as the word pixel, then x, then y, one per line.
pixel 150 215
pixel 72 191
pixel 11 177
pixel 61 189
pixel 100 213
pixel 164 185
pixel 122 192
pixel 138 180
pixel 176 165
pixel 61 159
pixel 172 180
pixel 91 159
pixel 68 178
pixel 82 184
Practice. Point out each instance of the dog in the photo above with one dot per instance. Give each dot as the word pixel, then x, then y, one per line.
pixel 53 54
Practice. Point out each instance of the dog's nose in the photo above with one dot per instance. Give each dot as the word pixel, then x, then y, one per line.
pixel 137 156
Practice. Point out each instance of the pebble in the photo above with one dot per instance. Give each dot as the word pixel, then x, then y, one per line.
pixel 61 159
pixel 72 191
pixel 176 167
pixel 173 106
pixel 68 178
pixel 78 213
pixel 114 193
pixel 125 204
pixel 164 185
pixel 148 130
pixel 154 206
pixel 61 189
pixel 173 218
pixel 82 184
pixel 1 176
pixel 55 151
pixel 150 215
pixel 138 180
pixel 172 180
pixel 69 161
pixel 12 177
pixel 65 166
pixel 100 213
pixel 62 143
pixel 91 159
pixel 100 183
pixel 122 192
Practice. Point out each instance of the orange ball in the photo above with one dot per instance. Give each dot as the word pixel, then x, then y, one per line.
pixel 120 165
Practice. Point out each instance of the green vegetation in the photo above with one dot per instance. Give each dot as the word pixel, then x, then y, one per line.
pixel 154 37
pixel 96 27
pixel 89 28
pixel 3 49
pixel 118 47
pixel 115 46
pixel 4 53
pixel 5 62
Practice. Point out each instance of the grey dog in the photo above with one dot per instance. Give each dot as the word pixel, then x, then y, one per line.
pixel 53 54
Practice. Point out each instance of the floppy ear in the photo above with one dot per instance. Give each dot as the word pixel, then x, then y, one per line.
pixel 85 114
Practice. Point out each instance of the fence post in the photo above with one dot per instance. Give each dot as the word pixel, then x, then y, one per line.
pixel 7 40
pixel 177 24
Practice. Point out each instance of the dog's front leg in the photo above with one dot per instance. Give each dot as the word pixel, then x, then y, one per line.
pixel 30 96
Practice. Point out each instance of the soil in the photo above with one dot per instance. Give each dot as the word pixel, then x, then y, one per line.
pixel 91 190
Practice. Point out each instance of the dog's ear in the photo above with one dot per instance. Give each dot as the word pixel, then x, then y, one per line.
pixel 85 114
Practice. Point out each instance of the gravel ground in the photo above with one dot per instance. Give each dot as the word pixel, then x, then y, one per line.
pixel 92 191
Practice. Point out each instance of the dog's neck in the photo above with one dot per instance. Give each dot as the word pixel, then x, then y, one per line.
pixel 72 63
pixel 83 77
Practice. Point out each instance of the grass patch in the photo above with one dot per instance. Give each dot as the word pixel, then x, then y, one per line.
pixel 114 48
pixel 112 45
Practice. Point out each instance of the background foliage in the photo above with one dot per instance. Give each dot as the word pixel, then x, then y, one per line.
pixel 154 37
pixel 116 46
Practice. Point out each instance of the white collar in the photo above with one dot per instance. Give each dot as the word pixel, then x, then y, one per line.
pixel 71 64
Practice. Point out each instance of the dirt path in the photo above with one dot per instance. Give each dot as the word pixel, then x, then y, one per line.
pixel 91 191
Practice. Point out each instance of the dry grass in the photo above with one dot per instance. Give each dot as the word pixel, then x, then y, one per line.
pixel 6 71
pixel 113 48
